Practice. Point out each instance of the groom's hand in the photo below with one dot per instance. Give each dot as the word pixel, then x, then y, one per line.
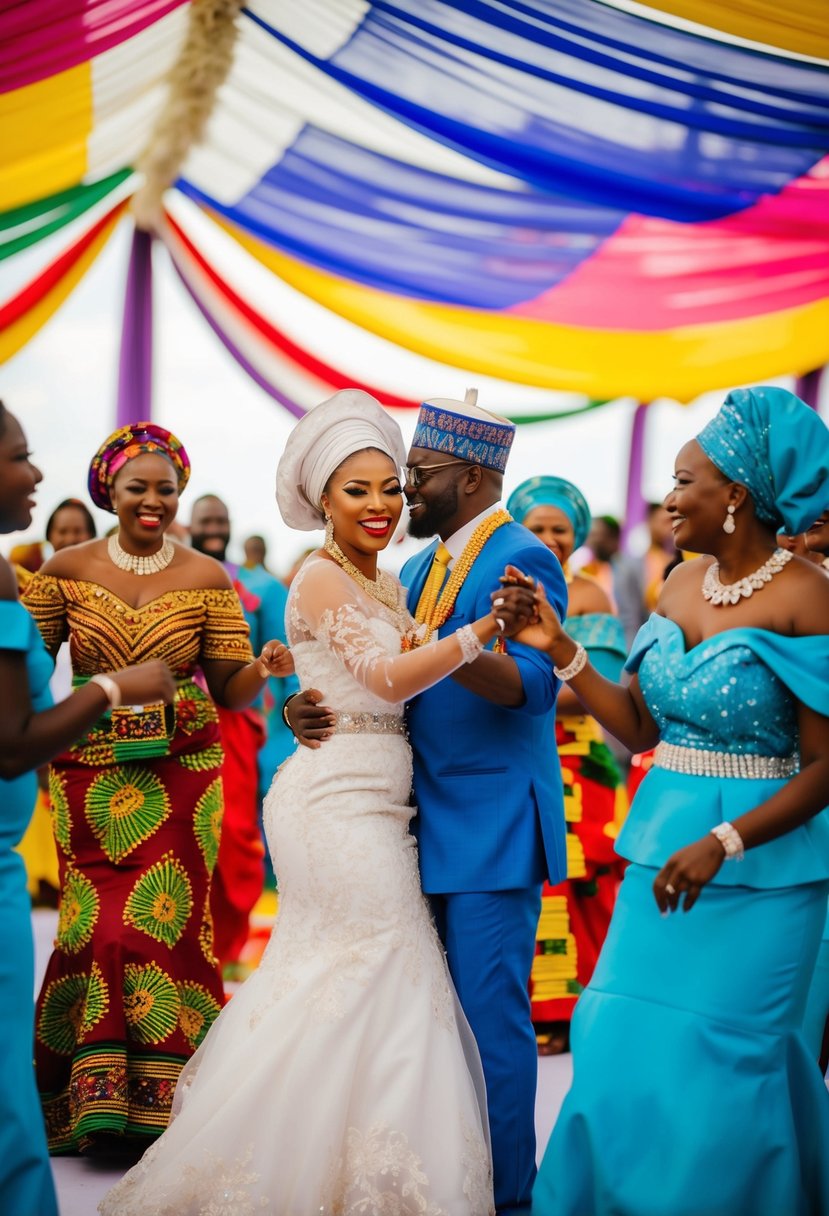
pixel 514 607
pixel 310 721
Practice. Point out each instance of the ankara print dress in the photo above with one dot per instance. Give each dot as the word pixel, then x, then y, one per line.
pixel 132 985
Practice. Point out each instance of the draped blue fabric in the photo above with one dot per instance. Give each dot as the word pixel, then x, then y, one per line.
pixel 589 102
pixel 401 228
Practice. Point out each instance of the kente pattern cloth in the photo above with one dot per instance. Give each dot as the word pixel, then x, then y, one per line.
pixel 575 913
pixel 25 1178
pixel 132 985
pixel 342 1077
pixel 691 1029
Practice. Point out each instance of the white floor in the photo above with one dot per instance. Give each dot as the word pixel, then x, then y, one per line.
pixel 82 1182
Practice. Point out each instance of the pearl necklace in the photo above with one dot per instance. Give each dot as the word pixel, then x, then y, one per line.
pixel 385 589
pixel 134 564
pixel 731 593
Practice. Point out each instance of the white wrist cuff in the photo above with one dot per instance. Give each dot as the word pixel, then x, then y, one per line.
pixel 110 687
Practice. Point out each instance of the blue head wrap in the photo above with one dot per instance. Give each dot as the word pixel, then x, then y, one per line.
pixel 552 492
pixel 769 441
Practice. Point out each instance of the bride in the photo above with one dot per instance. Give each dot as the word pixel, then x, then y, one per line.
pixel 342 1077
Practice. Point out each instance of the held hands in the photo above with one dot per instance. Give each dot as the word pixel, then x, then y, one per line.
pixel 148 682
pixel 688 870
pixel 534 623
pixel 275 660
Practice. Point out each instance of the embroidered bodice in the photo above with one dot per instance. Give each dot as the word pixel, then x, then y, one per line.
pixel 105 633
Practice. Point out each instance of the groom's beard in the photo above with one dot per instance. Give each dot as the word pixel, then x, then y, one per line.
pixel 428 522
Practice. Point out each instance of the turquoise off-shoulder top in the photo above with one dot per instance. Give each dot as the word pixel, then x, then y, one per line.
pixel 17 797
pixel 735 692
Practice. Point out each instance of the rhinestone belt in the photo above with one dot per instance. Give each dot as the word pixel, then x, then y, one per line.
pixel 367 723
pixel 700 763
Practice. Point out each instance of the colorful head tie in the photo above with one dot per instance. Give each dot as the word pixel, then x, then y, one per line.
pixel 552 492
pixel 769 441
pixel 462 430
pixel 124 445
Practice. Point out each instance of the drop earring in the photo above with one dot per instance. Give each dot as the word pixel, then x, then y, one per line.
pixel 729 524
pixel 329 531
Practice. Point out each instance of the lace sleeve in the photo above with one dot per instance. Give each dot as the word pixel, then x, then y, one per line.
pixel 336 612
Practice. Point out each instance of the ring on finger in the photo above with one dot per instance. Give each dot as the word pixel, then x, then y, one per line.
pixel 670 888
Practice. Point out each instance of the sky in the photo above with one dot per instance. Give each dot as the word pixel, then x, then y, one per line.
pixel 62 386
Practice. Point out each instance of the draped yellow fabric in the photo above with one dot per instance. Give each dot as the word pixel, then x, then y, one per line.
pixel 16 335
pixel 681 363
pixel 796 25
pixel 45 128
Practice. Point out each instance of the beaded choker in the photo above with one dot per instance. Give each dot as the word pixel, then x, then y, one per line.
pixel 385 589
pixel 135 564
pixel 436 610
pixel 731 593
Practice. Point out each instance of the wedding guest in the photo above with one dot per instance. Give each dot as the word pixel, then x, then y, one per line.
pixel 30 734
pixel 693 1090
pixel 132 985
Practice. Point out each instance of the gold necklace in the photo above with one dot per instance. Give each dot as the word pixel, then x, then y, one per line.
pixel 385 589
pixel 435 611
pixel 154 563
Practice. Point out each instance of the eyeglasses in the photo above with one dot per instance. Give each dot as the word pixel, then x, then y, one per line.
pixel 414 475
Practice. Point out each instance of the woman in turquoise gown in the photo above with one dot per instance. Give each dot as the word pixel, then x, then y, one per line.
pixel 694 1093
pixel 30 734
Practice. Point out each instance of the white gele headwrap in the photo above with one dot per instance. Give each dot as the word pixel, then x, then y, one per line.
pixel 348 422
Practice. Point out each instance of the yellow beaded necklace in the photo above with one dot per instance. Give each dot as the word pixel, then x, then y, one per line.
pixel 436 610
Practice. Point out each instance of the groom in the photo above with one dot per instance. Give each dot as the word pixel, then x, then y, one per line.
pixel 487 783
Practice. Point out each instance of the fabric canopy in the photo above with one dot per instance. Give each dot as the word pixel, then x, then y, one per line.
pixel 559 193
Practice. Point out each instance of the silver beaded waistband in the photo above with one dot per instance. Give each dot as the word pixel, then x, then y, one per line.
pixel 701 763
pixel 367 723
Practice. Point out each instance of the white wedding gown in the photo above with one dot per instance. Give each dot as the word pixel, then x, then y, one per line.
pixel 342 1078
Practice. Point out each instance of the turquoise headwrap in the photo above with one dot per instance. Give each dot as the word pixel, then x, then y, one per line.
pixel 552 492
pixel 769 441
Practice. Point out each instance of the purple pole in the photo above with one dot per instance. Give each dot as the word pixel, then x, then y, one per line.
pixel 135 369
pixel 807 386
pixel 635 505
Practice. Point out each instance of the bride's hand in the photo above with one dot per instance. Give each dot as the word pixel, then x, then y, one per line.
pixel 275 660
pixel 544 630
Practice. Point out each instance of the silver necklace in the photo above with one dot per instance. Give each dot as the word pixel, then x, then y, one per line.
pixel 134 564
pixel 731 593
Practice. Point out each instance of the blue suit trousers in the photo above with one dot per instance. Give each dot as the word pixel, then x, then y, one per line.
pixel 490 943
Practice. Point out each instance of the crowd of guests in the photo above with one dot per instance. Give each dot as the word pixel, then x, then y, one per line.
pixel 173 705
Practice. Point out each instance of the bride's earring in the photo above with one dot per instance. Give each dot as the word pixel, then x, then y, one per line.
pixel 729 524
pixel 329 531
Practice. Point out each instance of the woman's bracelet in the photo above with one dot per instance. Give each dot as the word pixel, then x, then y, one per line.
pixel 731 841
pixel 573 668
pixel 469 642
pixel 111 689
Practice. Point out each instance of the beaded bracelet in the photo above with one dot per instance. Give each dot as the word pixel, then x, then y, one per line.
pixel 731 841
pixel 469 642
pixel 575 665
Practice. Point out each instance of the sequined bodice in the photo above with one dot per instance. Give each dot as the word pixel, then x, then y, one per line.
pixel 718 695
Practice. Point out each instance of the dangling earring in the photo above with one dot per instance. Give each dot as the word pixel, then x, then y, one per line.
pixel 329 531
pixel 729 524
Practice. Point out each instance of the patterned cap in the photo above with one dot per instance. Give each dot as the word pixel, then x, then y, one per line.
pixel 552 492
pixel 124 445
pixel 462 430
pixel 772 443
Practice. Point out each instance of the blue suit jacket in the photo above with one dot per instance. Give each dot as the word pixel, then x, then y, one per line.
pixel 486 780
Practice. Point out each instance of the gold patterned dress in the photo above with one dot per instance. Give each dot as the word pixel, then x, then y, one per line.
pixel 132 986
